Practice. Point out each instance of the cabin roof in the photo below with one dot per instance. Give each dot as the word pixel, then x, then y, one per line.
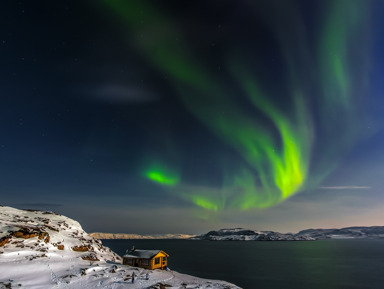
pixel 145 254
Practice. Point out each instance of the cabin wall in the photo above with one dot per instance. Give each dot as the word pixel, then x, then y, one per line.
pixel 145 263
pixel 163 262
pixel 138 262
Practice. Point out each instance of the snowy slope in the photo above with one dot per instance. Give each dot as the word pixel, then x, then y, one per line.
pixel 45 250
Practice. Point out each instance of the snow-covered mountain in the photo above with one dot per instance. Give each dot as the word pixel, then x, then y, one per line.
pixel 344 233
pixel 105 236
pixel 240 234
pixel 45 250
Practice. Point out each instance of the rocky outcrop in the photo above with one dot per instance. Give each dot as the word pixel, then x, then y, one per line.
pixel 82 248
pixel 42 235
pixel 90 257
pixel 47 232
pixel 4 240
pixel 25 233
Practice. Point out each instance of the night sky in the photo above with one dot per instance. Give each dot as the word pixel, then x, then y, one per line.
pixel 139 116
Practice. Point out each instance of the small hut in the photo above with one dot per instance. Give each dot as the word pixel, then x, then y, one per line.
pixel 148 259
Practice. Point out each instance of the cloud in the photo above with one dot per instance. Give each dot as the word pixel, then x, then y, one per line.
pixel 118 93
pixel 346 188
pixel 37 205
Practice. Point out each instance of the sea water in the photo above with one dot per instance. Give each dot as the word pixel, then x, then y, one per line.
pixel 354 263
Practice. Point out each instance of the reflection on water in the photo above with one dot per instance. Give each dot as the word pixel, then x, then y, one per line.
pixel 320 264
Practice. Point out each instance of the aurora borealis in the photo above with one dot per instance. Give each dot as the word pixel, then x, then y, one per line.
pixel 275 161
pixel 183 115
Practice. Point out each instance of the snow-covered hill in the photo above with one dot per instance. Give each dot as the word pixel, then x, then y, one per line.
pixel 105 236
pixel 240 234
pixel 344 233
pixel 45 250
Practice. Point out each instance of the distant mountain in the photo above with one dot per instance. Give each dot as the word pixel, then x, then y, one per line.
pixel 240 234
pixel 136 236
pixel 344 233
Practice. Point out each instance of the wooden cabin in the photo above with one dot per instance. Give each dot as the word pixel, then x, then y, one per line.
pixel 148 259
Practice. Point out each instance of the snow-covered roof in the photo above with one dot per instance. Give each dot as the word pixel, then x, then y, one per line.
pixel 145 254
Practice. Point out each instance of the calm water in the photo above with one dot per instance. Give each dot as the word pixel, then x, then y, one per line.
pixel 269 265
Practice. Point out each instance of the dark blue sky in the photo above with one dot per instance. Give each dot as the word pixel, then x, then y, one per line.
pixel 87 107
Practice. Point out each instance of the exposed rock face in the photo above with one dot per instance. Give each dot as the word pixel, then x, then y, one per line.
pixel 46 240
pixel 240 234
pixel 4 240
pixel 42 235
pixel 82 248
pixel 25 233
pixel 90 257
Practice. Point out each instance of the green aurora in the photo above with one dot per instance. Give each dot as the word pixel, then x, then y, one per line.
pixel 159 173
pixel 275 158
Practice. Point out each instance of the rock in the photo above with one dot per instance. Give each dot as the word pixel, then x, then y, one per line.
pixel 80 248
pixel 42 235
pixel 24 234
pixel 90 257
pixel 4 241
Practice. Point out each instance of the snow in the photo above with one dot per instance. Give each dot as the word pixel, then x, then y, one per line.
pixel 35 261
